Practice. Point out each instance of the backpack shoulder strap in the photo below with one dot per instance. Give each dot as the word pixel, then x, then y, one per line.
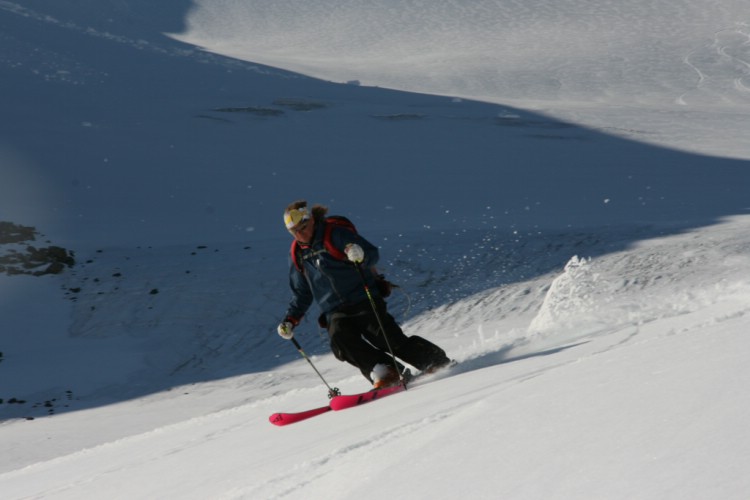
pixel 331 222
pixel 295 255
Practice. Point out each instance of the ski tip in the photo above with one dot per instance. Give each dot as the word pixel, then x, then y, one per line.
pixel 277 419
pixel 281 419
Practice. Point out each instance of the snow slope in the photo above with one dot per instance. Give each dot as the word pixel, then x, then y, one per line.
pixel 632 68
pixel 560 190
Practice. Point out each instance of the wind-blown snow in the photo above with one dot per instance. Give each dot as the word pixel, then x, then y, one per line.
pixel 560 190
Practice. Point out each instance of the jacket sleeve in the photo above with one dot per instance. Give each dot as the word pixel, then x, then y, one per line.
pixel 341 237
pixel 302 296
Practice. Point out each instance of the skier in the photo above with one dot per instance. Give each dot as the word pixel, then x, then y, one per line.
pixel 324 258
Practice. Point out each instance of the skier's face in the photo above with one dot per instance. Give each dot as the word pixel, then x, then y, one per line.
pixel 304 231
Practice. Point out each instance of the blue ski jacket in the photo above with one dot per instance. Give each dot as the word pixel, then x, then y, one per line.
pixel 332 283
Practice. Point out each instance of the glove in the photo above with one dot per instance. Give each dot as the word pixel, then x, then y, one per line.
pixel 354 253
pixel 286 328
pixel 385 287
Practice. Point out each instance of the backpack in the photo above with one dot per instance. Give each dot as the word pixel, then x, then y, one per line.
pixel 331 221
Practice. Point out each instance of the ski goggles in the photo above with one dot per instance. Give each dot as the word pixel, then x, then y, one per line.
pixel 295 217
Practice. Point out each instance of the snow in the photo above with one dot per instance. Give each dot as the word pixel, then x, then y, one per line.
pixel 560 190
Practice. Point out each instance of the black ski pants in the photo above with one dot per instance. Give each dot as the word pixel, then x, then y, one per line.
pixel 356 338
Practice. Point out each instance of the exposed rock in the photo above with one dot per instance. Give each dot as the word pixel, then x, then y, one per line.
pixel 18 259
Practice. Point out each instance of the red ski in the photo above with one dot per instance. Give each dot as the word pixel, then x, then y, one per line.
pixel 341 402
pixel 290 418
pixel 337 403
pixel 349 400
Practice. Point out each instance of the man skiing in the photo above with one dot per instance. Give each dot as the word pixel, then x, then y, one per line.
pixel 325 257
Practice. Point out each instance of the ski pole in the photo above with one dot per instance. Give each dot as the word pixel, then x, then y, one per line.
pixel 380 322
pixel 332 391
